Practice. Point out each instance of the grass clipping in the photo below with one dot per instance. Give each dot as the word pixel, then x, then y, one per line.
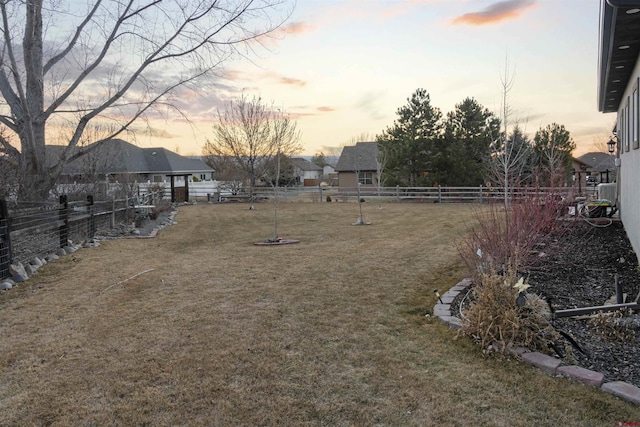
pixel 502 315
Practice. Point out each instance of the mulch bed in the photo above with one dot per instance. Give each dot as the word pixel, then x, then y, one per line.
pixel 578 270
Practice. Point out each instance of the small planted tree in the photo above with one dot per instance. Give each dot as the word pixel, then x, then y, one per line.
pixel 381 162
pixel 511 150
pixel 285 138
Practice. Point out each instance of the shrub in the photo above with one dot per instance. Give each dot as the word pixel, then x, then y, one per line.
pixel 507 239
pixel 328 198
pixel 503 315
pixel 615 325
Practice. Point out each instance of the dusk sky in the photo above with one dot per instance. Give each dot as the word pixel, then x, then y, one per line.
pixel 344 67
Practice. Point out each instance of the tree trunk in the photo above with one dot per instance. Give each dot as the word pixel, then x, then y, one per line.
pixel 37 178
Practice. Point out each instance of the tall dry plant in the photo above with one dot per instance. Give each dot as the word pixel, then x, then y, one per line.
pixel 498 317
pixel 507 238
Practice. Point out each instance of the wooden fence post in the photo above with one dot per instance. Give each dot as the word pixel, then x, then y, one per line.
pixel 112 223
pixel 397 193
pixel 439 194
pixel 91 227
pixel 63 215
pixel 5 240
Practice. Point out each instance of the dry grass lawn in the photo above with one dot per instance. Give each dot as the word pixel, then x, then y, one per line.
pixel 330 331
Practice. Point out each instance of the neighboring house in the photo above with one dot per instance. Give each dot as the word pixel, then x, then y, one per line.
pixel 600 165
pixel 618 81
pixel 328 170
pixel 358 164
pixel 580 172
pixel 329 175
pixel 306 173
pixel 115 157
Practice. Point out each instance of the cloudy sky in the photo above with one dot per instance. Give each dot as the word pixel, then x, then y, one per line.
pixel 343 68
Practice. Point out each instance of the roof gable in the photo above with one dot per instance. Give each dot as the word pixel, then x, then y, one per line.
pixel 304 164
pixel 362 157
pixel 116 156
pixel 598 161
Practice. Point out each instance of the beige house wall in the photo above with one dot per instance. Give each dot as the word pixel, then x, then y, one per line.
pixel 350 180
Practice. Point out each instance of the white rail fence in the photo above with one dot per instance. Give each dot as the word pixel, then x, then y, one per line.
pixel 217 191
pixel 213 191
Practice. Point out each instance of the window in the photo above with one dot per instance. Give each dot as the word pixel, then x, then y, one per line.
pixel 365 178
pixel 634 117
pixel 627 126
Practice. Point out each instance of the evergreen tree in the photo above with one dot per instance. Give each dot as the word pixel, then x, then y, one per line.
pixel 319 159
pixel 409 144
pixel 552 147
pixel 512 159
pixel 466 147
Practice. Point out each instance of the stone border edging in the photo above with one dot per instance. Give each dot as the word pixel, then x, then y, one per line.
pixel 21 273
pixel 547 364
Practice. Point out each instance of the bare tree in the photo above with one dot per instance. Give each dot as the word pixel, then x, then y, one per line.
pixel 254 135
pixel 381 162
pixel 511 151
pixel 110 60
pixel 225 170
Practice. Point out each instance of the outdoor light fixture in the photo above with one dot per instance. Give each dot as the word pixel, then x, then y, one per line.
pixel 611 145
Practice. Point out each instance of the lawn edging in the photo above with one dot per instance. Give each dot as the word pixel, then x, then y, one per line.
pixel 548 364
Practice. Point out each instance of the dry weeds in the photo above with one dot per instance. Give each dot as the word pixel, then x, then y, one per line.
pixel 330 331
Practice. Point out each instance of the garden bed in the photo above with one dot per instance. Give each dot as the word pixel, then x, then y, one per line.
pixel 576 270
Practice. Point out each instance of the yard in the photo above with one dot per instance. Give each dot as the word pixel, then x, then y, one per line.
pixel 329 331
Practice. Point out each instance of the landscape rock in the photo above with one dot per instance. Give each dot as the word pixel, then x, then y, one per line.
pixel 18 273
pixel 61 252
pixel 5 286
pixel 30 269
pixel 52 258
pixel 623 390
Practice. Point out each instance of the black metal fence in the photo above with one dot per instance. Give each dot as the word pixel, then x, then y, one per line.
pixel 39 229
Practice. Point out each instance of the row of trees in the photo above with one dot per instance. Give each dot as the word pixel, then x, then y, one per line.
pixel 470 146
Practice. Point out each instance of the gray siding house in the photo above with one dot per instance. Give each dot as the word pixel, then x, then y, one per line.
pixel 618 92
pixel 358 164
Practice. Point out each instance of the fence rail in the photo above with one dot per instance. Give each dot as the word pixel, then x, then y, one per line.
pixel 42 229
pixel 38 230
pixel 396 194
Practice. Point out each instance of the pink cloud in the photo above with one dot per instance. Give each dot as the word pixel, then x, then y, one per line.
pixel 496 12
pixel 298 27
pixel 292 82
pixel 326 109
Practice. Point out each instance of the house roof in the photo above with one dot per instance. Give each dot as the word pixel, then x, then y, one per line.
pixel 304 164
pixel 118 156
pixel 598 161
pixel 618 51
pixel 362 156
